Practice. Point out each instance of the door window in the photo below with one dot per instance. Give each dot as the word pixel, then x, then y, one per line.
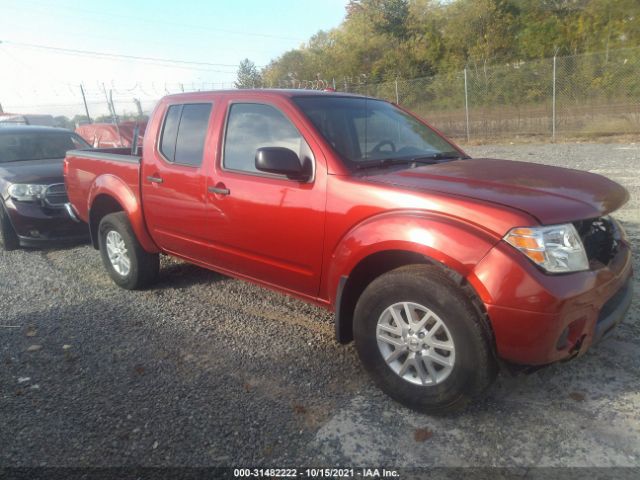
pixel 251 126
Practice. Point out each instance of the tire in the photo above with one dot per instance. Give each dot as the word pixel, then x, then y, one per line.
pixel 8 237
pixel 469 353
pixel 133 268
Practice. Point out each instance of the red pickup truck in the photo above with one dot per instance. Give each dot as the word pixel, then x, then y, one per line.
pixel 439 266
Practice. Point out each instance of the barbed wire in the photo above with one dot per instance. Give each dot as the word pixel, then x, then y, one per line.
pixel 582 94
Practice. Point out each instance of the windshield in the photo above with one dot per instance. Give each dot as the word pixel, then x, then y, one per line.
pixel 362 130
pixel 21 146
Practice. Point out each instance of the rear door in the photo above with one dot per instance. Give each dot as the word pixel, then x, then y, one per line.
pixel 266 226
pixel 173 179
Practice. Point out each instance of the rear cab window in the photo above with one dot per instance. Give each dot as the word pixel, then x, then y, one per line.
pixel 184 131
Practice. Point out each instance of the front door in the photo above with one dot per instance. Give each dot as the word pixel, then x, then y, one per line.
pixel 266 226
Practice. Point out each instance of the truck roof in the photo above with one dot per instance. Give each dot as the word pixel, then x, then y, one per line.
pixel 261 92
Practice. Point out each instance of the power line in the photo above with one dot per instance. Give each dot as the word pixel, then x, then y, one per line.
pixel 85 31
pixel 72 51
pixel 26 66
pixel 175 24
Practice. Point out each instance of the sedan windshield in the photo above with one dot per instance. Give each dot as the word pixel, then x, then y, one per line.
pixel 365 131
pixel 22 146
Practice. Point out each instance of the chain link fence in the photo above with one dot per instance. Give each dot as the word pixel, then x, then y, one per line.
pixel 573 96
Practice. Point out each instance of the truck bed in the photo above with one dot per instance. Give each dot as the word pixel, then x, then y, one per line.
pixel 82 167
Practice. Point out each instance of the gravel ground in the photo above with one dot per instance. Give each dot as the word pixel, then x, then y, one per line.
pixel 206 370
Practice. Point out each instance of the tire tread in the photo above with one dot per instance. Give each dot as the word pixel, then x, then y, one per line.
pixel 480 335
pixel 8 237
pixel 145 266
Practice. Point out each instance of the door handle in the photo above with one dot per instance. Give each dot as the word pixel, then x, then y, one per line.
pixel 219 190
pixel 154 179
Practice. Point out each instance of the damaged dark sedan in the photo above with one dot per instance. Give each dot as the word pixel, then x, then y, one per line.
pixel 33 195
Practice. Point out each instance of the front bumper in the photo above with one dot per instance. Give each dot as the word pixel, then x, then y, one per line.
pixel 538 318
pixel 613 312
pixel 38 225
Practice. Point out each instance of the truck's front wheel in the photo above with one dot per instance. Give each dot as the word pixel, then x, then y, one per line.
pixel 421 339
pixel 128 264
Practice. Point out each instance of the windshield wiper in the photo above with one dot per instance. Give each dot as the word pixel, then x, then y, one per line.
pixel 387 162
pixel 422 159
pixel 442 156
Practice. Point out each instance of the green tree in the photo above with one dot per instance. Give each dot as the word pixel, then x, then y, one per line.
pixel 248 75
pixel 380 40
pixel 79 119
pixel 103 119
pixel 388 17
pixel 63 122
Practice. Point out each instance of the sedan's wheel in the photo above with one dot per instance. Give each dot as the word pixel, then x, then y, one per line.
pixel 423 340
pixel 8 237
pixel 128 264
pixel 416 344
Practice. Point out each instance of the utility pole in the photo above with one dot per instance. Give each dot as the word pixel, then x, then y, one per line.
pixel 139 107
pixel 397 96
pixel 109 104
pixel 466 103
pixel 553 100
pixel 112 110
pixel 113 107
pixel 86 108
pixel 115 116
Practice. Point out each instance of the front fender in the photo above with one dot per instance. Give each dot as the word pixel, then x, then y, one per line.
pixel 118 190
pixel 451 242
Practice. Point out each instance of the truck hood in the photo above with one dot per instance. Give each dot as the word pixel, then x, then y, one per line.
pixel 551 194
pixel 44 172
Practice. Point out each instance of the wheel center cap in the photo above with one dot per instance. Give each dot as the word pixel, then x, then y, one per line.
pixel 414 343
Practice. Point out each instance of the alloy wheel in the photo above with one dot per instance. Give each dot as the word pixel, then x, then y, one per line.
pixel 415 343
pixel 117 253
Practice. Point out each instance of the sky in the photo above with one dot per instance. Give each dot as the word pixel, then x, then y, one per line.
pixel 216 35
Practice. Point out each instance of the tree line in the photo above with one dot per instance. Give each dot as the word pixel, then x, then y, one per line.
pixel 380 40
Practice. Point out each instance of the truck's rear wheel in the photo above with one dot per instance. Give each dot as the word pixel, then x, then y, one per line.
pixel 421 339
pixel 128 264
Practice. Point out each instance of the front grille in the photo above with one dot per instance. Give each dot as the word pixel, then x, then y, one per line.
pixel 56 195
pixel 599 238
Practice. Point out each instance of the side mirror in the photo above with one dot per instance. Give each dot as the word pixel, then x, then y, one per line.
pixel 282 161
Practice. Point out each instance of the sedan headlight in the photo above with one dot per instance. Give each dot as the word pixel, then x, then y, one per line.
pixel 27 192
pixel 557 248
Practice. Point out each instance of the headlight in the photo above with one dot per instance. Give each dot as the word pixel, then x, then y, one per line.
pixel 557 249
pixel 27 192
